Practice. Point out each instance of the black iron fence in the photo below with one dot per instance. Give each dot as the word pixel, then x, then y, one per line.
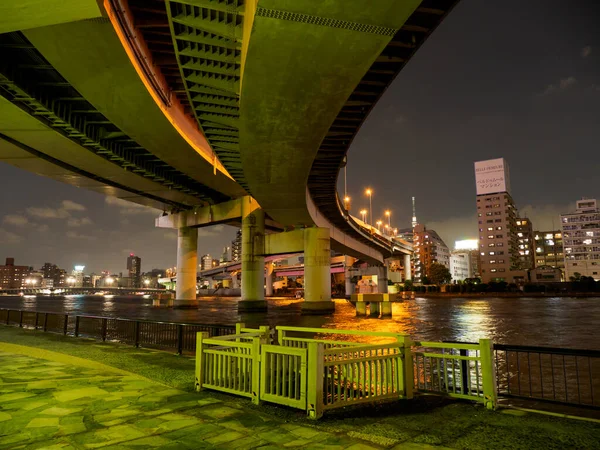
pixel 180 337
pixel 558 375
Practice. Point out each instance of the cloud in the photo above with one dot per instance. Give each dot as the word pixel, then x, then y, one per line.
pixel 456 228
pixel 562 85
pixel 129 208
pixel 585 51
pixel 210 231
pixel 68 205
pixel 7 237
pixel 75 235
pixel 48 213
pixel 16 220
pixel 75 222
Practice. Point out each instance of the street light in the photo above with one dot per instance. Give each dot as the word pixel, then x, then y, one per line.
pixel 369 192
pixel 388 213
pixel 346 203
pixel 146 281
pixel 379 222
pixel 387 229
pixel 363 213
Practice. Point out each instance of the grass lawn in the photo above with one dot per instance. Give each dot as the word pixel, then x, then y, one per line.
pixel 77 393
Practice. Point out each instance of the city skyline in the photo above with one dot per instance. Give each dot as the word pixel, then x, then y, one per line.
pixel 530 97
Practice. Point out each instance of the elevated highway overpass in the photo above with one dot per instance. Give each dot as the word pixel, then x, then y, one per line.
pixel 232 110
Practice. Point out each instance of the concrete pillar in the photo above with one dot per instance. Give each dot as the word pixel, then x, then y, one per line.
pixel 187 264
pixel 253 263
pixel 386 309
pixel 269 267
pixel 374 309
pixel 361 309
pixel 349 287
pixel 407 271
pixel 382 280
pixel 317 272
pixel 235 284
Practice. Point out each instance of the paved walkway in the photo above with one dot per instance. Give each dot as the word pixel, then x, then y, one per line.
pixel 53 394
pixel 57 404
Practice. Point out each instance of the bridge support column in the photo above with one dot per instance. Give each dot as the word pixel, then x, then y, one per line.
pixel 407 271
pixel 187 266
pixel 382 280
pixel 348 287
pixel 269 279
pixel 317 272
pixel 253 265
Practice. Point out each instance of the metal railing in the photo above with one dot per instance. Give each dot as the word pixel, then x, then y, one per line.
pixel 180 337
pixel 558 375
pixel 460 370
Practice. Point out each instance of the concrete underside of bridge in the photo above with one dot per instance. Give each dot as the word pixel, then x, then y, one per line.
pixel 24 14
pixel 29 135
pixel 89 55
pixel 301 67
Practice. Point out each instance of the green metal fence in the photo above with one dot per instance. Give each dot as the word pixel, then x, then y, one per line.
pixel 457 370
pixel 311 370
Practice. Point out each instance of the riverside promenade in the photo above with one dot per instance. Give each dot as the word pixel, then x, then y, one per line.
pixel 60 392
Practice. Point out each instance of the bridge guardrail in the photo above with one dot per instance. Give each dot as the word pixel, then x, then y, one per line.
pixel 180 337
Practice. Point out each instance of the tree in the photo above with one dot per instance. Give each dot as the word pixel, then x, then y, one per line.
pixel 439 274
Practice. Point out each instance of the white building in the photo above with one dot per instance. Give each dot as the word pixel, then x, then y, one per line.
pixel 581 239
pixel 460 265
pixel 76 278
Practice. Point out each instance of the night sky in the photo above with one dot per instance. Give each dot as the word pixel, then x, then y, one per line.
pixel 503 78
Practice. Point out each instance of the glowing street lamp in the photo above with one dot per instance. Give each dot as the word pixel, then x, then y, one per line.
pixel 395 231
pixel 387 229
pixel 369 192
pixel 388 213
pixel 363 213
pixel 146 281
pixel 347 203
pixel 379 222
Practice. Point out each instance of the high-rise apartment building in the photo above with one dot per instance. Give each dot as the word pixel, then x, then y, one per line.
pixel 206 262
pixel 497 220
pixel 428 248
pixel 134 267
pixel 236 247
pixel 581 240
pixel 525 241
pixel 13 277
pixel 53 272
pixel 549 249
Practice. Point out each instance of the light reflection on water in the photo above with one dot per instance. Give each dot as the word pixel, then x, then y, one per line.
pixel 559 322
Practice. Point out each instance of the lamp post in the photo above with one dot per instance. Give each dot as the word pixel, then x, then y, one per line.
pixel 369 192
pixel 379 222
pixel 363 214
pixel 347 203
pixel 387 229
pixel 388 213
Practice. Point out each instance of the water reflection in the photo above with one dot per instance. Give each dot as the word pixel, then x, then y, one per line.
pixel 559 322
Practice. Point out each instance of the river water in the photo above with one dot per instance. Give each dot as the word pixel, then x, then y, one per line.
pixel 556 322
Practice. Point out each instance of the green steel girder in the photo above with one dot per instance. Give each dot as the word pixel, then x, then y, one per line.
pixel 57 104
pixel 207 37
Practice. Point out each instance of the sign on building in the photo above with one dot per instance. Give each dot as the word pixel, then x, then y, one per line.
pixel 492 176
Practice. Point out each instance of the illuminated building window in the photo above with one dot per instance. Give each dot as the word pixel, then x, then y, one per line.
pixel 490 228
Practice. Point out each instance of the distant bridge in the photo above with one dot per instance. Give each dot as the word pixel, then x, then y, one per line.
pixel 81 291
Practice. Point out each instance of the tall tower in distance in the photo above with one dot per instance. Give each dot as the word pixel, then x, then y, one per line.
pixel 134 267
pixel 414 216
